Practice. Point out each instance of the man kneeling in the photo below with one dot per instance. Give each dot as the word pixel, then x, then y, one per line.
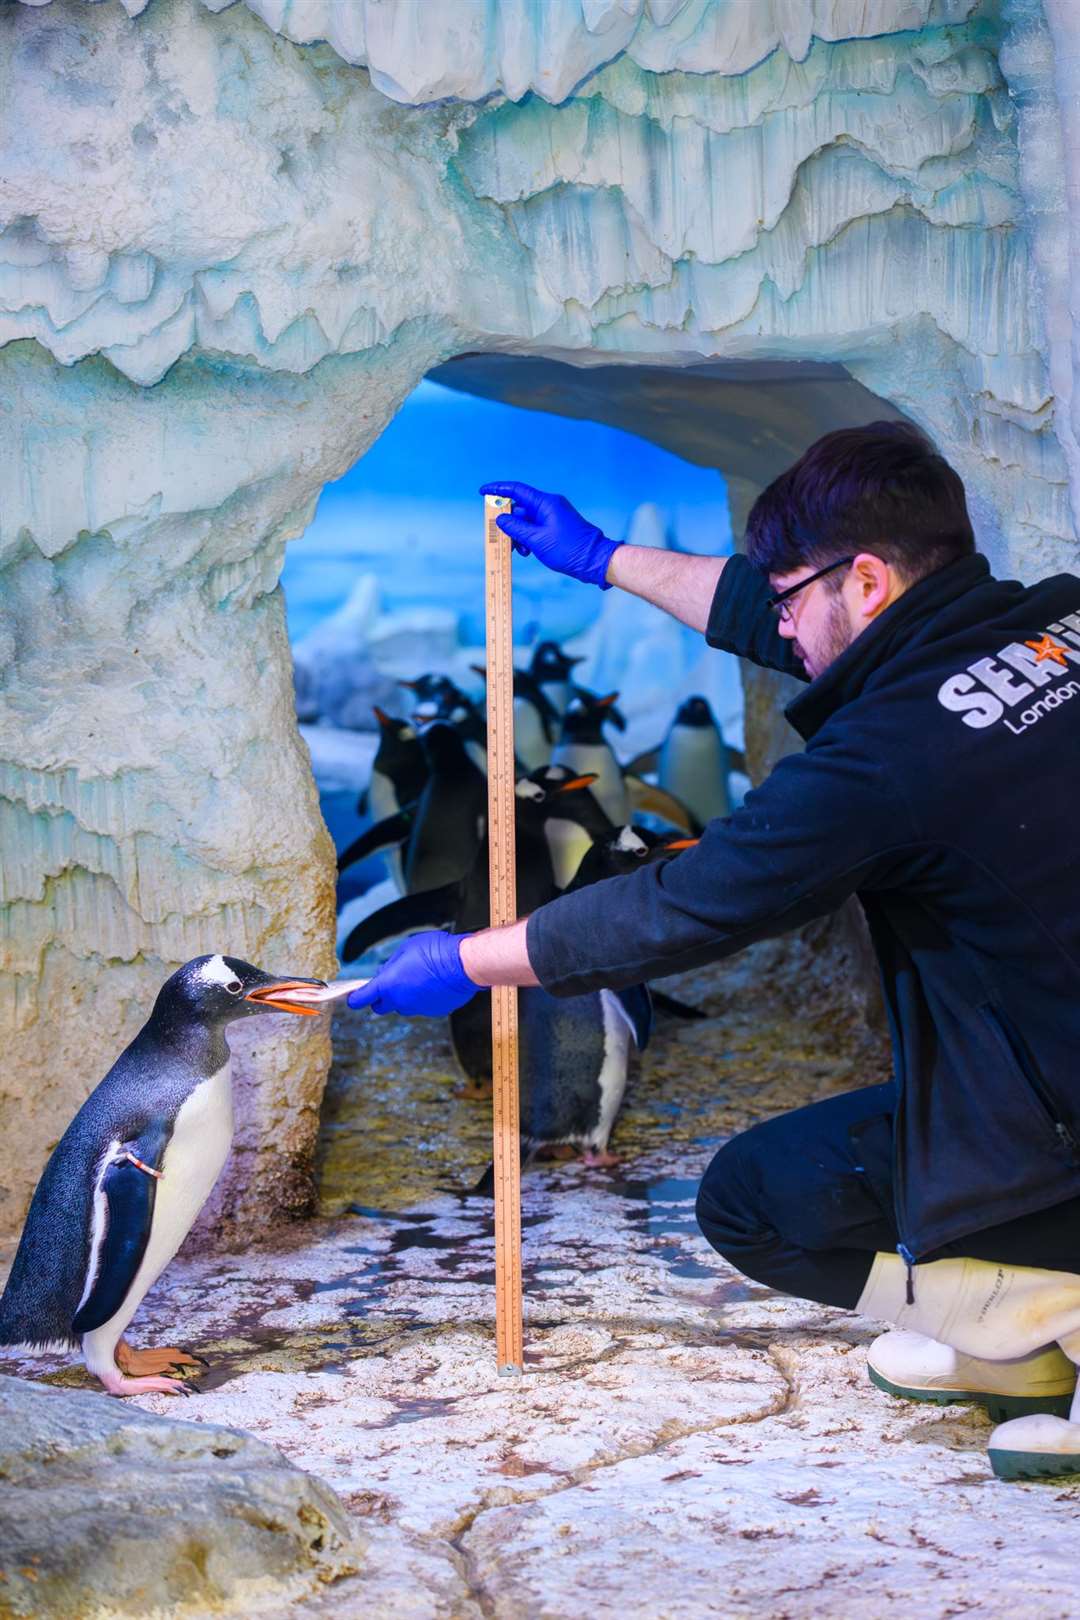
pixel 939 783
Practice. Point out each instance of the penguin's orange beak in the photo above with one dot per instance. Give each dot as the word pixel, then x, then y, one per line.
pixel 680 843
pixel 266 995
pixel 577 782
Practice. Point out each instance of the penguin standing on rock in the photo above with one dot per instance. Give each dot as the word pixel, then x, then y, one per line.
pixel 129 1176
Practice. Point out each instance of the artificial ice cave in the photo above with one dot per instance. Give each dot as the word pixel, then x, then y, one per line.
pixel 235 235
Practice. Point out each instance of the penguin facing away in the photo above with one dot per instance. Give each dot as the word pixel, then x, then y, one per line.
pixel 693 762
pixel 439 834
pixel 398 773
pixel 130 1174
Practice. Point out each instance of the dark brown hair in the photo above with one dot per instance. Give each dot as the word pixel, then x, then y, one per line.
pixel 881 488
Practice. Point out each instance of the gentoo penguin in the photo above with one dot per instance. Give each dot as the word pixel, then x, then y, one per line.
pixel 693 762
pixel 130 1174
pixel 536 720
pixel 572 825
pixel 441 833
pixel 465 903
pixel 441 699
pixel 438 690
pixel 553 670
pixel 398 773
pixel 584 748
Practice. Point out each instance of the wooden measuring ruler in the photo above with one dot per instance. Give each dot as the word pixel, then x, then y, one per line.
pixel 509 1331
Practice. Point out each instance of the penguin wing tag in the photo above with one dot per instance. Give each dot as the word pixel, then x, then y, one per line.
pixel 129 1194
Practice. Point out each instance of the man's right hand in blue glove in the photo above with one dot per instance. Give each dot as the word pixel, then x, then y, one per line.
pixel 548 527
pixel 424 976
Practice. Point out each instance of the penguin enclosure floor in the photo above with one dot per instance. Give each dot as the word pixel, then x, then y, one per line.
pixel 682 1443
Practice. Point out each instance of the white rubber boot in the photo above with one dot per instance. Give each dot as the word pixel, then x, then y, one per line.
pixel 995 1313
pixel 1040 1447
pixel 920 1369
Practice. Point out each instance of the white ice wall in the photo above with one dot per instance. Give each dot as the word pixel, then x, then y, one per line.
pixel 232 238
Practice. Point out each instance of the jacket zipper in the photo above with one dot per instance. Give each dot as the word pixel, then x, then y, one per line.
pixel 909 1260
pixel 1034 1083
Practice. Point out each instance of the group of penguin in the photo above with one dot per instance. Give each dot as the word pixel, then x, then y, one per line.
pixel 133 1169
pixel 575 808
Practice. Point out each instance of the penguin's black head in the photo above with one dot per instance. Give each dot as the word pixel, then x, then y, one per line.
pixel 587 713
pixel 443 747
pixel 392 729
pixel 437 695
pixel 220 989
pixel 550 663
pixel 695 711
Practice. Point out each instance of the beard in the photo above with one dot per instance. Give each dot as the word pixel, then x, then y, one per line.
pixel 835 637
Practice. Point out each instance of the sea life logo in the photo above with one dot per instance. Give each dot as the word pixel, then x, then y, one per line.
pixel 992 689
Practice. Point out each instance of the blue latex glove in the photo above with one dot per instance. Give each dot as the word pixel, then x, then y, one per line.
pixel 424 976
pixel 548 527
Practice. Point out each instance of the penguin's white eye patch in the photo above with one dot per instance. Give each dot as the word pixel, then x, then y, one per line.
pixel 215 970
pixel 407 734
pixel 530 790
pixel 629 842
pixel 234 987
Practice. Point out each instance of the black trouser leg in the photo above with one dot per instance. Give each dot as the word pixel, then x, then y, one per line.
pixel 803 1202
pixel 791 1204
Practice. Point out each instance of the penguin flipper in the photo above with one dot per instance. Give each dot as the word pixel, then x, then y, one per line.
pixel 428 908
pixel 641 764
pixel 129 1193
pixel 636 1005
pixel 386 834
pixel 645 796
pixel 675 1008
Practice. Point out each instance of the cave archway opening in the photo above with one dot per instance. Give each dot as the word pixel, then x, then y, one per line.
pixel 388 580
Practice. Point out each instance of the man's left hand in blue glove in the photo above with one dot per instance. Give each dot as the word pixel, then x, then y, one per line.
pixel 424 976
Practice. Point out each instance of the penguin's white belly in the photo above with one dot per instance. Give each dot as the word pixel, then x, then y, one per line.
pixel 567 844
pixel 609 788
pixel 478 754
pixel 383 802
pixel 531 743
pixel 557 694
pixel 693 766
pixel 193 1160
pixel 612 1077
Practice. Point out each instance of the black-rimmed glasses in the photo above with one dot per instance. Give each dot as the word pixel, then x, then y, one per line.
pixel 779 602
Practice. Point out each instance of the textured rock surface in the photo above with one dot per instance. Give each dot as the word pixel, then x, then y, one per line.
pixel 108 1509
pixel 233 238
pixel 683 1442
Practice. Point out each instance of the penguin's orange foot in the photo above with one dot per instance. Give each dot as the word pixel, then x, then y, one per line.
pixel 154 1363
pixel 116 1383
pixel 556 1151
pixel 599 1159
pixel 476 1091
